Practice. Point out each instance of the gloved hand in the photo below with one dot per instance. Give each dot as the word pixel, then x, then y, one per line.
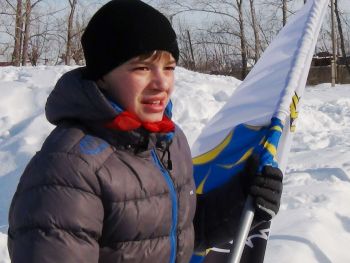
pixel 218 212
pixel 265 188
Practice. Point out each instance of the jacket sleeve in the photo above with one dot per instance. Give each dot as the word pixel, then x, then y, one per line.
pixel 56 214
pixel 217 215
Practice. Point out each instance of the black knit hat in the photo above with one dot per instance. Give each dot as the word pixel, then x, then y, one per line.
pixel 121 30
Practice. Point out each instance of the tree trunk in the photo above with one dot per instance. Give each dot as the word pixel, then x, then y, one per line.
pixel 16 55
pixel 284 11
pixel 256 31
pixel 68 55
pixel 341 35
pixel 243 39
pixel 193 63
pixel 26 33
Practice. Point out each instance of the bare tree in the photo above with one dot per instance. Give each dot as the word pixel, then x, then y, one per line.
pixel 232 32
pixel 242 38
pixel 341 35
pixel 68 55
pixel 184 45
pixel 193 63
pixel 284 12
pixel 30 33
pixel 16 55
pixel 39 40
pixel 77 49
pixel 228 27
pixel 21 30
pixel 257 46
pixel 26 32
pixel 278 6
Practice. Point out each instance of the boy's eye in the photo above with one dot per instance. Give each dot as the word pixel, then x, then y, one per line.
pixel 170 68
pixel 140 68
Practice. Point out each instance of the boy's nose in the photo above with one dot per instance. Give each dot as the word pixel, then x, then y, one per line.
pixel 161 81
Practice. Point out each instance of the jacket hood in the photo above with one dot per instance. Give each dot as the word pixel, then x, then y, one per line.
pixel 76 98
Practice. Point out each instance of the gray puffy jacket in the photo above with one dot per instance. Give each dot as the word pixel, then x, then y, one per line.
pixel 96 195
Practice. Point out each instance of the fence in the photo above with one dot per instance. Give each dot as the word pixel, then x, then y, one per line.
pixel 322 74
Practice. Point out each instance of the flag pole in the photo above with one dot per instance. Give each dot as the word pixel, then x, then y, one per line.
pixel 246 221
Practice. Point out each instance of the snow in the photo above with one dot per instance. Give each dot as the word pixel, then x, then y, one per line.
pixel 314 220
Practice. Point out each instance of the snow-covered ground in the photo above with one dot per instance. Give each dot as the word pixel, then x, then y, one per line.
pixel 314 222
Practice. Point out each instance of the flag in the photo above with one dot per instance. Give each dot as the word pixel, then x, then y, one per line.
pixel 259 118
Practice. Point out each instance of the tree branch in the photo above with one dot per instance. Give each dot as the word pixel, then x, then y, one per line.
pixel 9 3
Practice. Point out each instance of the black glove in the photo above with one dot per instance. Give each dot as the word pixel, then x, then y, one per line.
pixel 219 211
pixel 265 188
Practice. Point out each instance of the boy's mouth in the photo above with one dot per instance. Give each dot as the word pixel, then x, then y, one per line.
pixel 154 105
pixel 159 100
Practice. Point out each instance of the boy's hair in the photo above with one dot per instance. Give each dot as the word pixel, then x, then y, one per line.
pixel 122 30
pixel 155 55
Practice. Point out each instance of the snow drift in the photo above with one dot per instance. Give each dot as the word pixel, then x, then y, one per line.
pixel 314 221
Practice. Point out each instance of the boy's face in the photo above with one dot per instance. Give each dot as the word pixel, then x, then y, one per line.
pixel 142 86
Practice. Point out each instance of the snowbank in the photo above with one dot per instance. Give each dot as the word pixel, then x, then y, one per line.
pixel 314 222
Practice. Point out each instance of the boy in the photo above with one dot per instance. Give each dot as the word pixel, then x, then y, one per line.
pixel 113 181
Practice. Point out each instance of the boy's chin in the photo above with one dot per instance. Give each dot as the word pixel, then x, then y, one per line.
pixel 152 117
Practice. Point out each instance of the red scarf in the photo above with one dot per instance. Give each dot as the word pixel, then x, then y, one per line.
pixel 127 121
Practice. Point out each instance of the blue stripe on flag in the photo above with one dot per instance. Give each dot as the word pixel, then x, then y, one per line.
pixel 216 167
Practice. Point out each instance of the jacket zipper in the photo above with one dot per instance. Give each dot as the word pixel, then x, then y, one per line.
pixel 173 196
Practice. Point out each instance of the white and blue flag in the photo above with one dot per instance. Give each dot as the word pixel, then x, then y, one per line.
pixel 259 118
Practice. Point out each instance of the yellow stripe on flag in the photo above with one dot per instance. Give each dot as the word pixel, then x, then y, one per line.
pixel 242 159
pixel 212 154
pixel 271 148
pixel 276 128
pixel 201 185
